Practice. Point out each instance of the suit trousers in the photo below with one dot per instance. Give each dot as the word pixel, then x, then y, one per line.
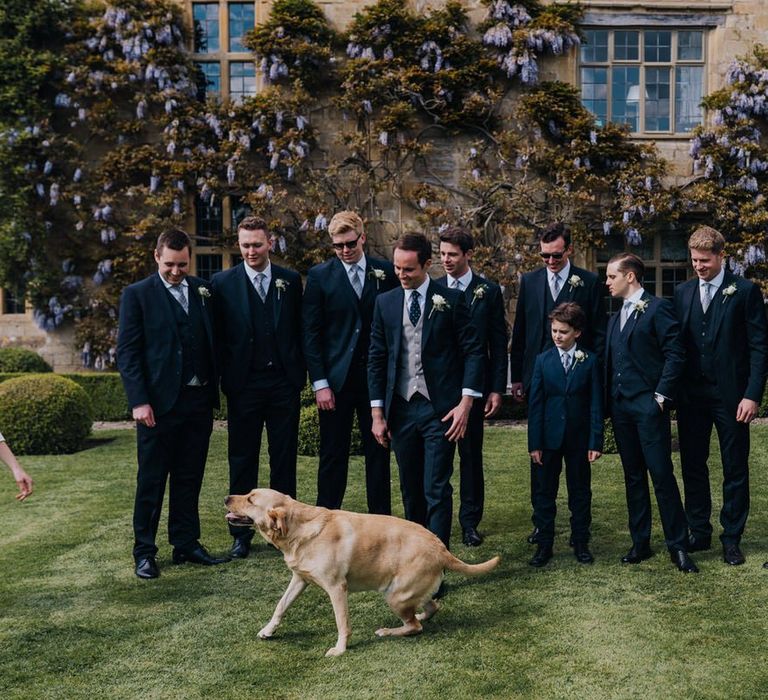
pixel 578 477
pixel 644 438
pixel 471 480
pixel 267 399
pixel 695 423
pixel 177 447
pixel 425 462
pixel 335 438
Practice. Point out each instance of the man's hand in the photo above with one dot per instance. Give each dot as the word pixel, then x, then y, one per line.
pixel 458 417
pixel 379 427
pixel 492 404
pixel 144 414
pixel 593 455
pixel 517 392
pixel 536 457
pixel 325 399
pixel 24 482
pixel 746 411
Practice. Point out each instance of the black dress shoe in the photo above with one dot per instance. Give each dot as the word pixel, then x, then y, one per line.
pixel 637 553
pixel 147 568
pixel 471 537
pixel 699 544
pixel 582 553
pixel 542 556
pixel 733 555
pixel 197 555
pixel 533 538
pixel 241 547
pixel 683 562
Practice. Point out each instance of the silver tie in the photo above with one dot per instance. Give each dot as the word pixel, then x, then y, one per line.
pixel 626 312
pixel 354 278
pixel 706 296
pixel 566 362
pixel 260 286
pixel 178 292
pixel 457 284
pixel 555 286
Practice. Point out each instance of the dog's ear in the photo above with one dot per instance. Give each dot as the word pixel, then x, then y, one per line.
pixel 278 520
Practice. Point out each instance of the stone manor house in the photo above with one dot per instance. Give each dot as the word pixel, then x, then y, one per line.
pixel 645 62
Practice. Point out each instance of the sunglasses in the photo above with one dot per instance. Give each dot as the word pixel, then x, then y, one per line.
pixel 349 245
pixel 554 256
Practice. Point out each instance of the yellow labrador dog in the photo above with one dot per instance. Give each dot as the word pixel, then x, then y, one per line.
pixel 342 552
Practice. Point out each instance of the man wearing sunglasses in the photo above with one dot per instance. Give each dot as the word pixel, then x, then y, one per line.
pixel 336 318
pixel 541 291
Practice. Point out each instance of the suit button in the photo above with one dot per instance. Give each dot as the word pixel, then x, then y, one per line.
pixel 357 330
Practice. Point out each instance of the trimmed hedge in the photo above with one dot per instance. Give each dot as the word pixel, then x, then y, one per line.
pixel 44 414
pixel 22 360
pixel 309 433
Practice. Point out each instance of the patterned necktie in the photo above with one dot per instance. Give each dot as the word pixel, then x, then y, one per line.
pixel 260 286
pixel 555 286
pixel 178 292
pixel 354 278
pixel 456 284
pixel 706 296
pixel 626 312
pixel 566 358
pixel 414 310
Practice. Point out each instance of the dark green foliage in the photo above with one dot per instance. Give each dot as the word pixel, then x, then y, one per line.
pixel 106 392
pixel 309 433
pixel 609 440
pixel 44 414
pixel 22 360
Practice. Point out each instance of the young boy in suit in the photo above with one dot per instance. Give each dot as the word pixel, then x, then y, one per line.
pixel 565 421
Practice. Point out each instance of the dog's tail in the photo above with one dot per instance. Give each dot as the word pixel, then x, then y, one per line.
pixel 454 564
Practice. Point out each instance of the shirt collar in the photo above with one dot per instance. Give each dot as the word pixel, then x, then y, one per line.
pixel 563 274
pixel 570 352
pixel 183 284
pixel 465 279
pixel 422 290
pixel 360 263
pixel 267 272
pixel 716 281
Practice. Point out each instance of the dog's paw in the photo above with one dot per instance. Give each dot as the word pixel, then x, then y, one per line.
pixel 383 632
pixel 335 651
pixel 266 632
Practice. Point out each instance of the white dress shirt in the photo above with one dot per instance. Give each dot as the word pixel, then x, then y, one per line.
pixel 267 272
pixel 183 285
pixel 465 280
pixel 562 275
pixel 571 352
pixel 715 283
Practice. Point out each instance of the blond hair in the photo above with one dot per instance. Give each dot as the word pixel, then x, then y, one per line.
pixel 707 238
pixel 345 221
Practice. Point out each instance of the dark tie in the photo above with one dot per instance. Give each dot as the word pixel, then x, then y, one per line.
pixel 414 310
pixel 178 292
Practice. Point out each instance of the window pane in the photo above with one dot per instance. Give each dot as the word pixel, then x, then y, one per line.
pixel 13 301
pixel 208 80
pixel 689 90
pixel 670 278
pixel 594 92
pixel 594 48
pixel 239 209
pixel 241 20
pixel 208 221
pixel 674 248
pixel 649 281
pixel 657 99
pixel 658 47
pixel 242 80
pixel 208 265
pixel 625 96
pixel 690 46
pixel 613 244
pixel 205 17
pixel 626 46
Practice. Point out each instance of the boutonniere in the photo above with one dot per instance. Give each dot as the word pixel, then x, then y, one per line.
pixel 204 293
pixel 579 356
pixel 640 306
pixel 378 275
pixel 281 285
pixel 438 304
pixel 479 293
pixel 729 291
pixel 575 281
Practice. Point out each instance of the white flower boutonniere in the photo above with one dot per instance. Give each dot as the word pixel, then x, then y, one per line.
pixel 204 293
pixel 281 285
pixel 579 356
pixel 378 275
pixel 575 281
pixel 439 303
pixel 640 306
pixel 729 291
pixel 479 293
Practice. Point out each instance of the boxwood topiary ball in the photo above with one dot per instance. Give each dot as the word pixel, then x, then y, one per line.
pixel 22 360
pixel 44 414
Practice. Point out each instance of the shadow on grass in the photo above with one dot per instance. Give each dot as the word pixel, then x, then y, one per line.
pixel 94 442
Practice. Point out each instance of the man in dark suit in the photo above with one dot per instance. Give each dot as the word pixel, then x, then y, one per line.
pixel 644 360
pixel 725 337
pixel 487 310
pixel 257 315
pixel 337 311
pixel 565 422
pixel 166 359
pixel 425 369
pixel 540 291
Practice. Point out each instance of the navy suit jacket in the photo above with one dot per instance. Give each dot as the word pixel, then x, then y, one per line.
pixel 235 335
pixel 487 311
pixel 148 345
pixel 565 410
pixel 529 329
pixel 740 338
pixel 335 321
pixel 654 346
pixel 450 350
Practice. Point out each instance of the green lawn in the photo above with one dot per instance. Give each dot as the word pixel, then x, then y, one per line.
pixel 76 622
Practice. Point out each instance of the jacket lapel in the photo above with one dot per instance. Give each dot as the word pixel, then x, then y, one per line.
pixel 197 299
pixel 394 320
pixel 342 283
pixel 633 320
pixel 165 304
pixel 720 305
pixel 688 298
pixel 278 296
pixel 243 292
pixel 428 313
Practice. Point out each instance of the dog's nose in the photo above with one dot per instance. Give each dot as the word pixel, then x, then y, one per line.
pixel 227 500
